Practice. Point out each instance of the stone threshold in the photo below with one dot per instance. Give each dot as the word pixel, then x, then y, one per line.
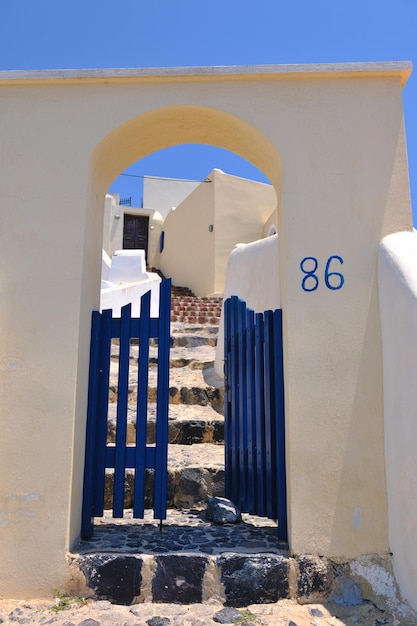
pixel 193 561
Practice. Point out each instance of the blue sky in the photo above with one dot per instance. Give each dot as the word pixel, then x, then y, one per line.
pixel 60 34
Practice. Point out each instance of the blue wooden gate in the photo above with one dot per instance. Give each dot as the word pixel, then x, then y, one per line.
pixel 119 456
pixel 254 412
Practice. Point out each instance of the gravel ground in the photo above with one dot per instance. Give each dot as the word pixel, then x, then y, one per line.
pixel 73 612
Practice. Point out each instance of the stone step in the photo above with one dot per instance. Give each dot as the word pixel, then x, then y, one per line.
pixel 196 301
pixel 182 336
pixel 183 395
pixel 195 473
pixel 193 340
pixel 188 424
pixel 192 560
pixel 196 310
pixel 194 383
pixel 196 329
pixel 199 356
pixel 194 319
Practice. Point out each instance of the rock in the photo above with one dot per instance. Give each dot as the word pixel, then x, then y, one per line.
pixel 222 511
pixel 15 615
pixel 192 432
pixel 347 592
pixel 193 487
pixel 89 622
pixel 158 621
pixel 259 579
pixel 195 395
pixel 117 578
pixel 315 579
pixel 179 578
pixel 228 615
pixel 316 612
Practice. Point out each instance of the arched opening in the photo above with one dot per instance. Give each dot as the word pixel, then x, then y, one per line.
pixel 187 207
pixel 160 129
pixel 156 130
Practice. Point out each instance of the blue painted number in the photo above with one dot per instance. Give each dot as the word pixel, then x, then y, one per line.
pixel 333 280
pixel 310 281
pixel 340 279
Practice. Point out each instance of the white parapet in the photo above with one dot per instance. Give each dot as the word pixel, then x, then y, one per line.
pixel 127 282
pixel 397 288
pixel 252 275
pixel 127 266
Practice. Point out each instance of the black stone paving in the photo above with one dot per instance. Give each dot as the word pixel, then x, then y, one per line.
pixel 183 531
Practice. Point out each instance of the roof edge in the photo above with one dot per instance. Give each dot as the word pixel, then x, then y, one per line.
pixel 402 69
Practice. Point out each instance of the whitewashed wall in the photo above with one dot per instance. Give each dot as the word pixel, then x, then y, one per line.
pixel 398 304
pixel 251 274
pixel 127 281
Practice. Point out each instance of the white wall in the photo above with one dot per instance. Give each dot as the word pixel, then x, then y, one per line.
pixel 235 208
pixel 253 275
pixel 398 305
pixel 127 282
pixel 116 296
pixel 241 209
pixel 162 194
pixel 114 222
pixel 188 254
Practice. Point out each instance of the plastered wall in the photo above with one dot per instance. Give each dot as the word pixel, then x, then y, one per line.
pixel 162 194
pixel 242 208
pixel 398 301
pixel 331 141
pixel 247 278
pixel 202 231
pixel 188 251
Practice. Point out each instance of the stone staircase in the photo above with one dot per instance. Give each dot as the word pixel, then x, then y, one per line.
pixel 196 423
pixel 188 559
pixel 194 310
pixel 187 308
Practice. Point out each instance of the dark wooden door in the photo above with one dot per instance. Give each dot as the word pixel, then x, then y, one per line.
pixel 135 232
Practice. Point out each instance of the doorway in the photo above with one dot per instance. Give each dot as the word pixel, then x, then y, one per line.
pixel 135 233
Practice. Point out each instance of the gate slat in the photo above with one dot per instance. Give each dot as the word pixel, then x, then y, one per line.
pixel 254 412
pixel 270 471
pixel 251 408
pixel 227 396
pixel 142 407
pixel 120 456
pixel 242 417
pixel 235 408
pixel 160 492
pixel 260 411
pixel 102 411
pixel 280 427
pixel 130 459
pixel 121 415
pixel 89 465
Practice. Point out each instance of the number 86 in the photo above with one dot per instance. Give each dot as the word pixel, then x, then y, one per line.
pixel 310 281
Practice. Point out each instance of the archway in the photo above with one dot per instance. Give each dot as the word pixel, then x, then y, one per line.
pixel 163 128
